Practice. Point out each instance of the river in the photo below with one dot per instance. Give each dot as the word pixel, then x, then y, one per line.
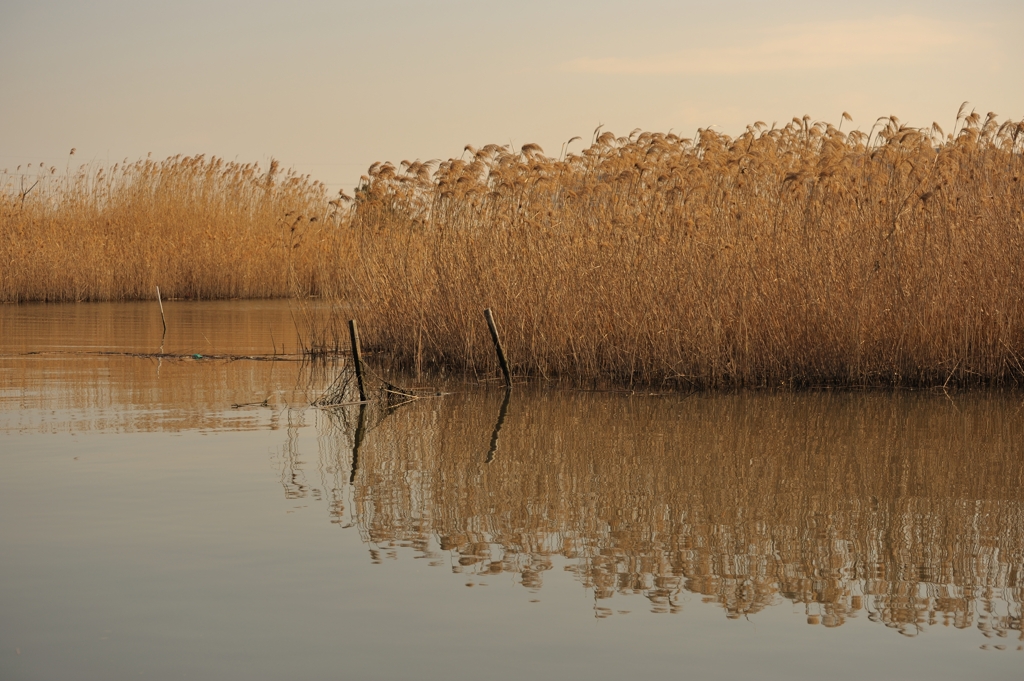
pixel 173 507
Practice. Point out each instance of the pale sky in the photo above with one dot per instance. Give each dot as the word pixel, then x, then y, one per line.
pixel 330 87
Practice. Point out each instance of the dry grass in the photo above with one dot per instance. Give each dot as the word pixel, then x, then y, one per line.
pixel 195 227
pixel 788 255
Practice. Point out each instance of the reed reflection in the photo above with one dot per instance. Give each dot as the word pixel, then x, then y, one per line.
pixel 208 327
pixel 905 509
pixel 101 366
pixel 111 394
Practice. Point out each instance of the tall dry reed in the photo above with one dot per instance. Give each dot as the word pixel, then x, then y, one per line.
pixel 195 227
pixel 800 254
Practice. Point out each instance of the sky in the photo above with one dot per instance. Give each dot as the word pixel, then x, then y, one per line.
pixel 328 88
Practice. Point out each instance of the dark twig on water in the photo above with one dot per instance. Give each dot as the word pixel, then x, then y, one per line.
pixel 264 403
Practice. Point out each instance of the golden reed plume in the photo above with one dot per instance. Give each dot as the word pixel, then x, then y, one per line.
pixel 195 227
pixel 800 254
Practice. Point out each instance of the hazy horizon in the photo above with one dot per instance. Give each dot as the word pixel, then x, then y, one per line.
pixel 329 88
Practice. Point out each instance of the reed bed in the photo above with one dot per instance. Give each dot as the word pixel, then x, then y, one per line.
pixel 796 255
pixel 196 227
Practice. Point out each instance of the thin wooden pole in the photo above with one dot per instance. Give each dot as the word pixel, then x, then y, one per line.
pixel 161 304
pixel 357 357
pixel 497 348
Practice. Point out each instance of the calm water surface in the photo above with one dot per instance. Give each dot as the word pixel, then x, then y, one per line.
pixel 151 530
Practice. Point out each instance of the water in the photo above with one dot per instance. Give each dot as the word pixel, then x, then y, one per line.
pixel 152 530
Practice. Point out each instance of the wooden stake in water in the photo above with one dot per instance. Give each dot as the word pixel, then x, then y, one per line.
pixel 161 304
pixel 497 347
pixel 357 357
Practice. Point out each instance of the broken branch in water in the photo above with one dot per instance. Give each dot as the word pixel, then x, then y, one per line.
pixel 264 403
